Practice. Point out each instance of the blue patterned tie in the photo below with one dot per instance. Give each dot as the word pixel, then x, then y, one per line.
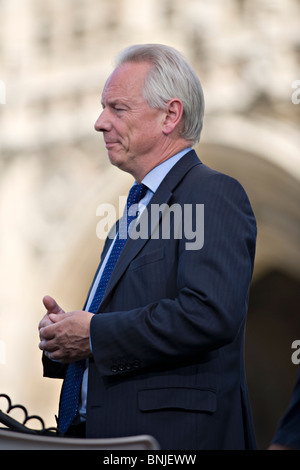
pixel 70 395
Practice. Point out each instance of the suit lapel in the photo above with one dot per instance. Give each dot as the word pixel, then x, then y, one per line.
pixel 161 196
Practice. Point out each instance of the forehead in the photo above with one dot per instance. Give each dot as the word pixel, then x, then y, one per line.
pixel 126 82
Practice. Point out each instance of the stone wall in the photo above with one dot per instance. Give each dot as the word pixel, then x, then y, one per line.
pixel 54 59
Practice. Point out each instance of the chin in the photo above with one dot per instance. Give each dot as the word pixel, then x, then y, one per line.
pixel 114 158
pixel 121 161
pixel 118 162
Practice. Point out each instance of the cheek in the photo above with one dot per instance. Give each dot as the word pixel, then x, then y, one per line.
pixel 143 131
pixel 150 129
pixel 144 138
pixel 155 123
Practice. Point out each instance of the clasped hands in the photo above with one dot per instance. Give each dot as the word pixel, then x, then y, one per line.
pixel 64 336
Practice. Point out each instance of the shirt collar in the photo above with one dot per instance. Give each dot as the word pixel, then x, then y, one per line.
pixel 153 179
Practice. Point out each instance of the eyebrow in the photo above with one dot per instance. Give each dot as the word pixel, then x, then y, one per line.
pixel 114 102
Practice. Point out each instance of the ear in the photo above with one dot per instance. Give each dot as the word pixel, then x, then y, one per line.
pixel 174 111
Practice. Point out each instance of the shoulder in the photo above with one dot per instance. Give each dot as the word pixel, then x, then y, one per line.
pixel 221 194
pixel 191 181
pixel 193 171
pixel 206 181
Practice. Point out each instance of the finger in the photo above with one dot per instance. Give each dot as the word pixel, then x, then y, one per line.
pixel 44 334
pixel 48 346
pixel 54 356
pixel 45 321
pixel 48 332
pixel 51 305
pixel 56 317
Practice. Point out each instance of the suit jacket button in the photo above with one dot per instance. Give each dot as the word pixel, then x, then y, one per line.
pixel 121 367
pixel 128 366
pixel 136 364
pixel 114 369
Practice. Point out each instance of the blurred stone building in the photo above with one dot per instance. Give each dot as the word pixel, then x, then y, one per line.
pixel 54 59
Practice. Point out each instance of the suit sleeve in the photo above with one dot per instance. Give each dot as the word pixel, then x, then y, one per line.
pixel 288 432
pixel 53 369
pixel 212 286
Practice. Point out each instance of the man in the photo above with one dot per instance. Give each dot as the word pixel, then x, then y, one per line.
pixel 164 351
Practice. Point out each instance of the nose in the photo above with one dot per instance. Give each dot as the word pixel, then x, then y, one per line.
pixel 102 124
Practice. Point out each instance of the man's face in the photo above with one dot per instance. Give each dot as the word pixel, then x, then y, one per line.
pixel 132 130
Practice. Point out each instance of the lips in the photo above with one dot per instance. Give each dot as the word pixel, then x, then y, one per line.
pixel 111 143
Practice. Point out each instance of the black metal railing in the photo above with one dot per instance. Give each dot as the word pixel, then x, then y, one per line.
pixel 12 424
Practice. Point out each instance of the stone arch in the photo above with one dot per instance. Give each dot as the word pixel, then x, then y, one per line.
pixel 265 159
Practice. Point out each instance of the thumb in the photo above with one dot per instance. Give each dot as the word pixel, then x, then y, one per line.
pixel 56 317
pixel 51 305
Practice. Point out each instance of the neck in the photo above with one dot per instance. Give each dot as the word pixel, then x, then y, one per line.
pixel 155 159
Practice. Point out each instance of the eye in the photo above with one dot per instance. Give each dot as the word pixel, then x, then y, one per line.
pixel 119 108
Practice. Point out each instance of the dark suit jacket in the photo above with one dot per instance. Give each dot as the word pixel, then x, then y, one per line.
pixel 168 346
pixel 288 432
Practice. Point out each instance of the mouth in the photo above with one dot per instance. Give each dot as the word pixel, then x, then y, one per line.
pixel 111 143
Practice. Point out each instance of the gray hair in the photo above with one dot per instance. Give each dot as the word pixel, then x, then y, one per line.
pixel 170 77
